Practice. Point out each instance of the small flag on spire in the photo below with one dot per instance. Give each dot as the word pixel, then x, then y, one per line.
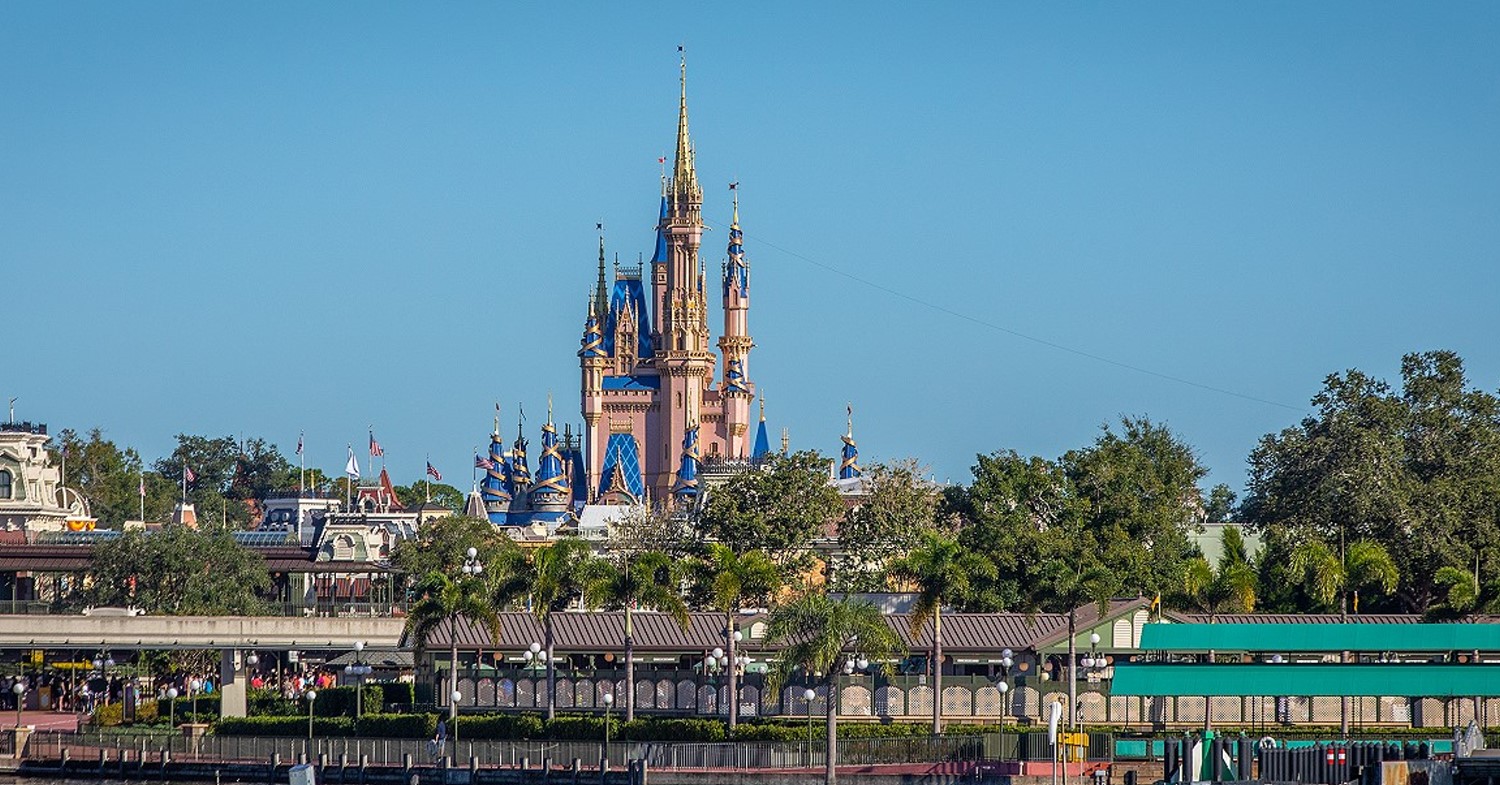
pixel 187 474
pixel 433 472
pixel 375 449
pixel 480 462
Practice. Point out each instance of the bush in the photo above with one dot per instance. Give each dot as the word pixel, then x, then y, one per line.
pixel 398 726
pixel 114 714
pixel 400 693
pixel 283 726
pixel 502 727
pixel 340 701
pixel 208 709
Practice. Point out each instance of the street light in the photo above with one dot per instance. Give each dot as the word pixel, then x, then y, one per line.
pixel 807 696
pixel 456 696
pixel 472 565
pixel 193 687
pixel 312 695
pixel 1004 688
pixel 609 700
pixel 172 694
pixel 19 688
pixel 359 670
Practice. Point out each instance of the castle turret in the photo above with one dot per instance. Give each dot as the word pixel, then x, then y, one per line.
pixel 762 447
pixel 686 484
pixel 552 490
pixel 736 343
pixel 592 360
pixel 849 455
pixel 520 473
pixel 492 490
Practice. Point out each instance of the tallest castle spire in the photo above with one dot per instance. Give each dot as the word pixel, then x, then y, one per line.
pixel 684 174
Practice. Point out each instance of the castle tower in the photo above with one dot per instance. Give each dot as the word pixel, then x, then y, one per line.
pixel 592 359
pixel 735 344
pixel 684 361
pixel 849 455
pixel 552 492
pixel 492 489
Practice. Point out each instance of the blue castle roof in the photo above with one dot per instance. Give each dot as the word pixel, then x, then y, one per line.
pixel 551 476
pixel 621 474
pixel 493 489
pixel 687 472
pixel 628 292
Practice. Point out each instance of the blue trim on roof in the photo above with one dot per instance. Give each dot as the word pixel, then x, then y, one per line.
pixel 660 255
pixel 633 382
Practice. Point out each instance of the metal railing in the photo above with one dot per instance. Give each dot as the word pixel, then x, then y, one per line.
pixel 50 746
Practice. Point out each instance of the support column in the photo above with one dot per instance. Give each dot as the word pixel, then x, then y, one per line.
pixel 232 701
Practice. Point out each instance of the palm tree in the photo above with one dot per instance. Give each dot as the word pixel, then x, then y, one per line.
pixel 1463 595
pixel 942 572
pixel 557 578
pixel 1329 577
pixel 442 602
pixel 1229 588
pixel 821 635
pixel 1072 581
pixel 730 580
pixel 651 579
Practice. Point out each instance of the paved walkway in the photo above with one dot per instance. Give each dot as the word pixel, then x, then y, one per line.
pixel 42 720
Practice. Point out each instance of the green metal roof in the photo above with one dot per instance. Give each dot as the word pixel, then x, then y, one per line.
pixel 1321 637
pixel 1409 680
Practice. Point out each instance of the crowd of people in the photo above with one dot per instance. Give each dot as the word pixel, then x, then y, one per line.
pixel 83 692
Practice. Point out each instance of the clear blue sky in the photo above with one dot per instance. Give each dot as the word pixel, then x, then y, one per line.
pixel 267 217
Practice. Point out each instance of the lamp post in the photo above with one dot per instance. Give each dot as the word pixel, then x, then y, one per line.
pixel 456 696
pixel 172 694
pixel 1007 660
pixel 609 700
pixel 312 696
pixel 193 687
pixel 807 697
pixel 19 688
pixel 358 670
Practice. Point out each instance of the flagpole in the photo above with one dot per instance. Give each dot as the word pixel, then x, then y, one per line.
pixel 301 467
pixel 184 482
pixel 143 494
pixel 427 479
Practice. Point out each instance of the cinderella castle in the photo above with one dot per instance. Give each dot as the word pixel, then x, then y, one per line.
pixel 660 408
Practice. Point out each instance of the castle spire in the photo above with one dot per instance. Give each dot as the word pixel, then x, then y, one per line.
pixel 849 455
pixel 601 290
pixel 762 439
pixel 684 174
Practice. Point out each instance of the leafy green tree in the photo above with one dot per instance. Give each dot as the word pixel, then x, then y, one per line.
pixel 232 477
pixel 442 545
pixel 558 576
pixel 1413 470
pixel 942 572
pixel 415 495
pixel 1329 576
pixel 1013 513
pixel 442 602
pixel 728 579
pixel 1220 506
pixel 1141 499
pixel 899 506
pixel 648 527
pixel 652 580
pixel 821 636
pixel 778 508
pixel 1074 575
pixel 178 570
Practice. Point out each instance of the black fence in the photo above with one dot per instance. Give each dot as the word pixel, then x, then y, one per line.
pixel 1330 764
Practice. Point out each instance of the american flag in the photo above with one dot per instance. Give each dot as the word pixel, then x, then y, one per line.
pixel 480 462
pixel 299 444
pixel 433 472
pixel 375 449
pixel 187 474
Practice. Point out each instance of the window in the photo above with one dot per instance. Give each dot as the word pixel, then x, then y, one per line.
pixel 5 484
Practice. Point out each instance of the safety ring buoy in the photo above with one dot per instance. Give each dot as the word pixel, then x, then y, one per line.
pixel 1267 743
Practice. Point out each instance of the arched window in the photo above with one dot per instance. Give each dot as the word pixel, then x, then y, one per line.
pixel 5 484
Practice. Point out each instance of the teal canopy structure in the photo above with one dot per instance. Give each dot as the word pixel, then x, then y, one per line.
pixel 1286 638
pixel 1424 680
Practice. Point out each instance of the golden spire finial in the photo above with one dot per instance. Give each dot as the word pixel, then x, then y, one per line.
pixel 497 418
pixel 684 178
pixel 849 410
pixel 762 407
pixel 549 407
pixel 734 194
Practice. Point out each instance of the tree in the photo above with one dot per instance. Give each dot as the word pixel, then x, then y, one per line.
pixel 942 572
pixel 1229 588
pixel 821 636
pixel 649 579
pixel 558 576
pixel 1329 576
pixel 415 495
pixel 1220 506
pixel 647 527
pixel 899 506
pixel 1463 595
pixel 1413 470
pixel 232 477
pixel 1072 576
pixel 442 545
pixel 1139 488
pixel 778 508
pixel 178 570
pixel 107 477
pixel 729 579
pixel 442 603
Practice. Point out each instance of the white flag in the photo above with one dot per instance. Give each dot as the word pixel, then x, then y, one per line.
pixel 352 468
